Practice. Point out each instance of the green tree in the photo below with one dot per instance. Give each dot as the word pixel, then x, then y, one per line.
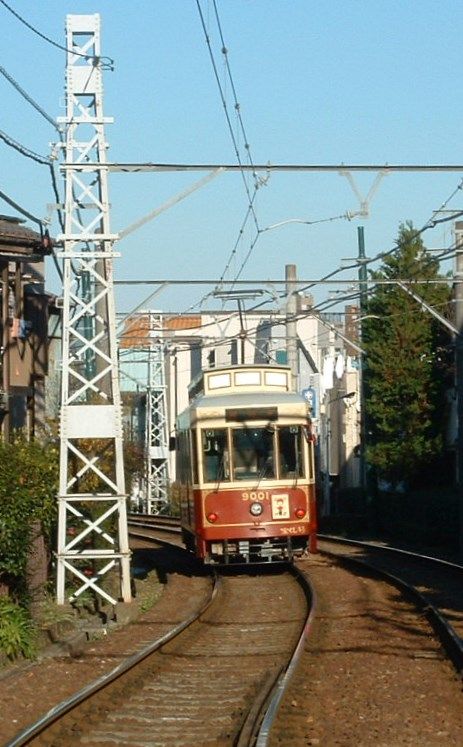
pixel 407 365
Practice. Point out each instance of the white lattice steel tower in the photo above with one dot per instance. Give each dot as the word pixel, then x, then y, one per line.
pixel 92 529
pixel 157 454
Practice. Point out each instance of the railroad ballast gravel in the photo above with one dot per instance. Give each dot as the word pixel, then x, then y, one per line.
pixel 372 672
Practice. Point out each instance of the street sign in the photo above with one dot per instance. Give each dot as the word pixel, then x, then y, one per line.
pixel 310 396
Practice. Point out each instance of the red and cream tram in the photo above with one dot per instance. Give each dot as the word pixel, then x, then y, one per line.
pixel 245 469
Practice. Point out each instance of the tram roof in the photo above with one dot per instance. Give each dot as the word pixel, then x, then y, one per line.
pixel 247 399
pixel 244 408
pixel 230 380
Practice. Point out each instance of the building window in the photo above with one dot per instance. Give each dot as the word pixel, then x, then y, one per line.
pixel 233 352
pixel 195 359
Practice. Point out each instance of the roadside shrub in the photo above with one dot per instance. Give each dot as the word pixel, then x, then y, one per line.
pixel 17 634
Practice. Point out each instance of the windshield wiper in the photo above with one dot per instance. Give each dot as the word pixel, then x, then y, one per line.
pixel 220 472
pixel 261 474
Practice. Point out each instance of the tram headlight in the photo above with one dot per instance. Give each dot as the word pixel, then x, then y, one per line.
pixel 300 513
pixel 256 509
pixel 212 517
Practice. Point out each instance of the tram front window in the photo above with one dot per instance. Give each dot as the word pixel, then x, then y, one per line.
pixel 290 446
pixel 215 455
pixel 253 454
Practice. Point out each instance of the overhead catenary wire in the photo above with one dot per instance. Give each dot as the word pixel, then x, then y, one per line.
pixel 43 160
pixel 273 281
pixel 28 98
pixel 225 107
pixel 232 83
pixel 429 224
pixel 107 61
pixel 250 213
pixel 23 211
pixel 12 143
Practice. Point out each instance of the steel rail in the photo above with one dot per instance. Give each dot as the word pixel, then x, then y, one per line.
pixel 60 710
pixel 283 679
pixel 450 640
pixel 386 548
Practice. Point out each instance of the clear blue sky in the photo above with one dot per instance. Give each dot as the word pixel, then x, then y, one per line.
pixel 341 81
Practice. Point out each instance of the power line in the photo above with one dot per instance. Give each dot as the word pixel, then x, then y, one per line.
pixel 267 281
pixel 20 209
pixel 28 98
pixel 108 64
pixel 44 160
pixel 136 168
pixel 224 104
pixel 431 223
pixel 237 105
pixel 251 198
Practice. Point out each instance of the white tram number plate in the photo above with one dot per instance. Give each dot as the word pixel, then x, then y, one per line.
pixel 280 506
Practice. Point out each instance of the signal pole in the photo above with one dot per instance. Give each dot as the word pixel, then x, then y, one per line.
pixel 92 513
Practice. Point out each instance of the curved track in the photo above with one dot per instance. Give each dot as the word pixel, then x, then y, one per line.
pixel 436 584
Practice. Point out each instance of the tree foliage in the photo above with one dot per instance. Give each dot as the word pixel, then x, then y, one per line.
pixel 407 364
pixel 28 489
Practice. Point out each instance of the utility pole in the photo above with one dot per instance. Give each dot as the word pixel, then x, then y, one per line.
pixel 363 287
pixel 291 324
pixel 243 333
pixel 92 513
pixel 239 296
pixel 458 295
pixel 157 439
pixel 6 349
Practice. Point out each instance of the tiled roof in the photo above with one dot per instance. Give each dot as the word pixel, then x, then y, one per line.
pixel 12 228
pixel 183 322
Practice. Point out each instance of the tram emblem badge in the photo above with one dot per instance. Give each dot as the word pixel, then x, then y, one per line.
pixel 280 506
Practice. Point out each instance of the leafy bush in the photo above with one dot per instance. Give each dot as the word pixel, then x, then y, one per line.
pixel 28 488
pixel 17 636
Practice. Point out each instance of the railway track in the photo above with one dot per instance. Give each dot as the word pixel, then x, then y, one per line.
pixel 216 680
pixel 167 523
pixel 164 530
pixel 436 585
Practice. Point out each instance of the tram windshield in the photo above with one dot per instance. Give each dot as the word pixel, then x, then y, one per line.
pixel 253 453
pixel 262 453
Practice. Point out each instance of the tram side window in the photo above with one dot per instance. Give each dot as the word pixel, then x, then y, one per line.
pixel 216 463
pixel 290 446
pixel 253 454
pixel 183 458
pixel 194 452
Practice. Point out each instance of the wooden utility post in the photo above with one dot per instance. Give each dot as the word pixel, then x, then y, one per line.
pixel 291 324
pixel 458 295
pixel 363 286
pixel 5 351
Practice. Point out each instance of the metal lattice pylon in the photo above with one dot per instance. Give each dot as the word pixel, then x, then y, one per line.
pixel 92 522
pixel 157 461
